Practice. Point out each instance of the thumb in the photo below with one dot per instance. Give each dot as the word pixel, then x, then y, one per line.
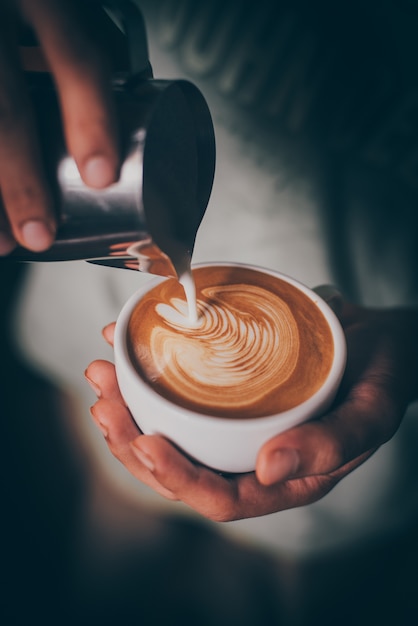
pixel 332 296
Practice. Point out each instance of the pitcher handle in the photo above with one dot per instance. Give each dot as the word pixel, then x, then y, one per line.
pixel 132 22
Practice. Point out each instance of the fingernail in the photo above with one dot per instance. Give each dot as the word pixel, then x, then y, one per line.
pixel 93 385
pixel 98 172
pixel 7 244
pixel 37 236
pixel 283 464
pixel 143 457
pixel 103 427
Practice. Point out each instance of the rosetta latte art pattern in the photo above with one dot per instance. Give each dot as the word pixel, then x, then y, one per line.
pixel 242 344
pixel 259 345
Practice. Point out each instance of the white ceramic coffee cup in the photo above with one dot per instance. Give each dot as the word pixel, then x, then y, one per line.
pixel 224 444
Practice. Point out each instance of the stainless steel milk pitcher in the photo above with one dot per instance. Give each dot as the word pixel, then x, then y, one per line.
pixel 152 214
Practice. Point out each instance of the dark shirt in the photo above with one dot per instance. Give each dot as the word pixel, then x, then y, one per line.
pixel 338 82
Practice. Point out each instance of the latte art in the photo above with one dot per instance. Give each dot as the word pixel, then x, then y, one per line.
pixel 255 348
pixel 238 353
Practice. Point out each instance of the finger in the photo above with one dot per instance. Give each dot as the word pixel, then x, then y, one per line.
pixel 7 241
pixel 81 73
pixel 119 430
pixel 332 296
pixel 207 492
pixel 25 196
pixel 101 376
pixel 116 422
pixel 362 423
pixel 109 333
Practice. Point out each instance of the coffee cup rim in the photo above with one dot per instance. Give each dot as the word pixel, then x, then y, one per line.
pixel 300 413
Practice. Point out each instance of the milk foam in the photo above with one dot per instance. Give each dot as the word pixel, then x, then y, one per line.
pixel 187 281
pixel 226 347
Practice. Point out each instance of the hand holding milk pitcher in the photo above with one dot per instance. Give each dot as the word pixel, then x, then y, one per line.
pixel 117 167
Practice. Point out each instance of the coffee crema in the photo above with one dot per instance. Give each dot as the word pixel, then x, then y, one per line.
pixel 259 347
